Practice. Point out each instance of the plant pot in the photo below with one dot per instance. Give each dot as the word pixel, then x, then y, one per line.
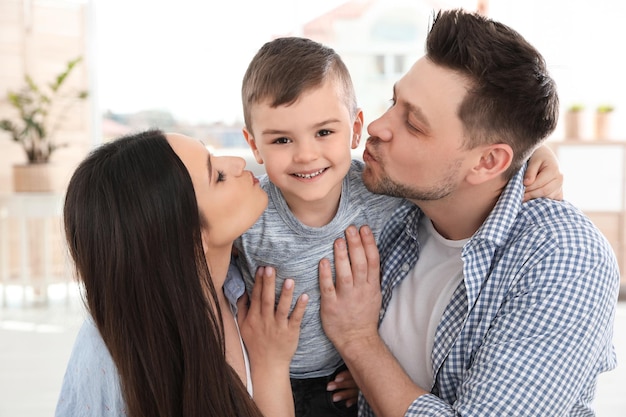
pixel 573 122
pixel 38 178
pixel 602 126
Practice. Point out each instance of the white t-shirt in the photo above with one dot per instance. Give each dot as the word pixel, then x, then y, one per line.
pixel 418 302
pixel 246 360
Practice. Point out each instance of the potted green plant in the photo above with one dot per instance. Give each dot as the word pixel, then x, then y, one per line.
pixel 40 111
pixel 573 121
pixel 603 119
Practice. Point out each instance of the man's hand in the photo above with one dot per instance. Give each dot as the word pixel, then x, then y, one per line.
pixel 350 307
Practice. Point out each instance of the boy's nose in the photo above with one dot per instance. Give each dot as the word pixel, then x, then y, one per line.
pixel 306 152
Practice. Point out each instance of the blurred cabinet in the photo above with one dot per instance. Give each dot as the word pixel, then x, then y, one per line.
pixel 32 249
pixel 595 181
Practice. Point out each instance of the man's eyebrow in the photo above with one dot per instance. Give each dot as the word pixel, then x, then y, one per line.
pixel 418 113
pixel 412 109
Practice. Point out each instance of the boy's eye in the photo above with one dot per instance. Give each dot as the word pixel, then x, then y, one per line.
pixel 324 132
pixel 282 140
pixel 220 176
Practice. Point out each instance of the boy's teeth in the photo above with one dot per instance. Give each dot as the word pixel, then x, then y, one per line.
pixel 307 176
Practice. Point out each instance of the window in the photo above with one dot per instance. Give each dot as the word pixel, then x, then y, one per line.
pixel 389 65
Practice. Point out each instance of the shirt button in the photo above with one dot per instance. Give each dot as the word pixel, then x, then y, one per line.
pixel 405 268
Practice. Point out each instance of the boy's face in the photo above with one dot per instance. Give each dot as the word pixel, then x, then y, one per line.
pixel 305 146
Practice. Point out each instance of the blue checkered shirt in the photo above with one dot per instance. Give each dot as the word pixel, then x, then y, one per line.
pixel 529 329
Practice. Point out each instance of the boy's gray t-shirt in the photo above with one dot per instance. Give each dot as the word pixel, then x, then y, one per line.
pixel 280 240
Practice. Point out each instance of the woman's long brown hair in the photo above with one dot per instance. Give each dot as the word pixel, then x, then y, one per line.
pixel 133 229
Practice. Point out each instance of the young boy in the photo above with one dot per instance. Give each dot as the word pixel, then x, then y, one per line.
pixel 301 121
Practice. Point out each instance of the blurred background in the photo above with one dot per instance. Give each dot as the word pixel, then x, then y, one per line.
pixel 77 73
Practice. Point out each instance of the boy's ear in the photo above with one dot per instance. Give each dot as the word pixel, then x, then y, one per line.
pixel 357 129
pixel 493 161
pixel 252 144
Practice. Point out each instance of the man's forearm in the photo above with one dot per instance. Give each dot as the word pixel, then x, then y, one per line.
pixel 381 379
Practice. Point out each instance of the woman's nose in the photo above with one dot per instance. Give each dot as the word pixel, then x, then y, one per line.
pixel 238 164
pixel 233 165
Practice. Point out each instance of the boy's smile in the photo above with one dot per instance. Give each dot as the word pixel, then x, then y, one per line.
pixel 308 176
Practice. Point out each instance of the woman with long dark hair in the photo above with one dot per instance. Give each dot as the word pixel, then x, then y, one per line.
pixel 150 220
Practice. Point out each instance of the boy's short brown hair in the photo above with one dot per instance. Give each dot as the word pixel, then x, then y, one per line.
pixel 284 68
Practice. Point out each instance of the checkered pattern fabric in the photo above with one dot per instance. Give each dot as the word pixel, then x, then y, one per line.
pixel 529 329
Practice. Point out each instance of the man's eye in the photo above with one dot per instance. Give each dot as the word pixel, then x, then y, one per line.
pixel 221 176
pixel 282 140
pixel 413 128
pixel 324 132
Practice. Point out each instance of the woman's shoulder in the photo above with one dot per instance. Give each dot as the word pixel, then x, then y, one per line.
pixel 91 382
pixel 89 347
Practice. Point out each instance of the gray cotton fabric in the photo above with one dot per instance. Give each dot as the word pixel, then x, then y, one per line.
pixel 280 240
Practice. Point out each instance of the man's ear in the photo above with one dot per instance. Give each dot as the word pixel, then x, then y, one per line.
pixel 493 161
pixel 357 129
pixel 252 144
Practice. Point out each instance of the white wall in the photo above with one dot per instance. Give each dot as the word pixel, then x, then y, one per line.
pixel 583 44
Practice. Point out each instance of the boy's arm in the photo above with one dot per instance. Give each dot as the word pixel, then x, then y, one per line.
pixel 543 177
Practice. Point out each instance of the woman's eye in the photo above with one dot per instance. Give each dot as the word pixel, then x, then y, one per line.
pixel 220 176
pixel 281 141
